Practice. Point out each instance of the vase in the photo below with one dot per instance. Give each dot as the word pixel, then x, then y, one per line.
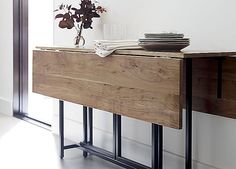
pixel 79 40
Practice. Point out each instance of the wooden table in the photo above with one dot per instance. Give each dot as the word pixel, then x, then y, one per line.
pixel 149 86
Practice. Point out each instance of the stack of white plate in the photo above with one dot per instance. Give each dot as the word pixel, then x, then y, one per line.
pixel 168 42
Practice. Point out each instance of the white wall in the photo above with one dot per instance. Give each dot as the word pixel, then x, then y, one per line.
pixel 6 56
pixel 211 25
pixel 40 33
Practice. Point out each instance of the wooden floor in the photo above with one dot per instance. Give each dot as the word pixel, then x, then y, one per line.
pixel 26 146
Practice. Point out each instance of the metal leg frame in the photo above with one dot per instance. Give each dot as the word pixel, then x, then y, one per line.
pixel 116 136
pixel 90 125
pixel 188 101
pixel 157 146
pixel 61 128
pixel 85 127
pixel 116 156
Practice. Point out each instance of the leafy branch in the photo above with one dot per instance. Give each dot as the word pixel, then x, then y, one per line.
pixel 78 17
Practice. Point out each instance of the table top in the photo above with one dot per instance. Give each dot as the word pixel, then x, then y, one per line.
pixel 144 53
pixel 141 84
pixel 145 88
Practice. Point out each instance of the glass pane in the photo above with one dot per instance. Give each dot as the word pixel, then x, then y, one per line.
pixel 40 20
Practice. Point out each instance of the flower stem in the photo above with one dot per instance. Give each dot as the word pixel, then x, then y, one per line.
pixel 80 29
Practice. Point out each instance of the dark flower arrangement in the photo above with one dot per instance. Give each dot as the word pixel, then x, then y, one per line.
pixel 79 18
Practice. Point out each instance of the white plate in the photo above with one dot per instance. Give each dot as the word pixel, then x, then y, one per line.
pixel 164 43
pixel 163 40
pixel 163 35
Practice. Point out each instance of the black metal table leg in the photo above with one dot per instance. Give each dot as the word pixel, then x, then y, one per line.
pixel 90 125
pixel 157 146
pixel 188 139
pixel 85 127
pixel 117 136
pixel 61 128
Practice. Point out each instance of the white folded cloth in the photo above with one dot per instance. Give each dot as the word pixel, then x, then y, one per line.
pixel 104 48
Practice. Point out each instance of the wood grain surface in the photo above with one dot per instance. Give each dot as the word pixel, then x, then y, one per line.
pixel 145 88
pixel 149 88
pixel 205 87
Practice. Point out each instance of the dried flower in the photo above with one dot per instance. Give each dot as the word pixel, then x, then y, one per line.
pixel 78 17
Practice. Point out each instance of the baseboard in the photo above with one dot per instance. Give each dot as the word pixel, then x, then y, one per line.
pixel 6 107
pixel 130 148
